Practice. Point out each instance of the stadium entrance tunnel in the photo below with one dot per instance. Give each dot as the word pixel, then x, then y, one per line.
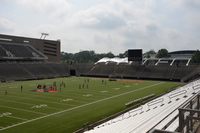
pixel 72 72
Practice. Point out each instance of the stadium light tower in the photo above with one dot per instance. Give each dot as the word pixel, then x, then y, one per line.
pixel 43 35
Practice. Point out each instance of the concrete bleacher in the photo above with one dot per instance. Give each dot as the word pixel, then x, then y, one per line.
pixel 12 71
pixel 31 70
pixel 159 72
pixel 61 70
pixel 102 69
pixel 40 70
pixel 21 61
pixel 156 114
pixel 19 51
pixel 2 52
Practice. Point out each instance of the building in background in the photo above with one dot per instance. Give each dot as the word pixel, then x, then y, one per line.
pixel 50 48
pixel 182 54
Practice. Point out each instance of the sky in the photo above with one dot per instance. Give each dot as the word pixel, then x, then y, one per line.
pixel 106 25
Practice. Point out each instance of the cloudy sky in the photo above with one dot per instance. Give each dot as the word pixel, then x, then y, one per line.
pixel 106 25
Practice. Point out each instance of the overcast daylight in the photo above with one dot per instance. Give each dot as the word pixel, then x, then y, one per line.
pixel 99 66
pixel 106 25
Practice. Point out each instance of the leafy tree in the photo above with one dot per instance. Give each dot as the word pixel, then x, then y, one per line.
pixel 149 53
pixel 66 57
pixel 84 57
pixel 196 57
pixel 123 55
pixel 110 55
pixel 162 53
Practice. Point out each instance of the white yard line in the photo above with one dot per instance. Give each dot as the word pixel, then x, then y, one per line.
pixel 63 111
pixel 27 104
pixel 23 110
pixel 17 118
pixel 39 100
pixel 16 102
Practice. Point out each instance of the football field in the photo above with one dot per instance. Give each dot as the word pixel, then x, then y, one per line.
pixel 77 101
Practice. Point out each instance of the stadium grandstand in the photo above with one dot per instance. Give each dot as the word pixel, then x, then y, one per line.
pixel 172 110
pixel 49 48
pixel 176 69
pixel 23 58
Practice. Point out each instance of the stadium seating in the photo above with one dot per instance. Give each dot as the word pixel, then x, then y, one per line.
pixel 150 71
pixel 33 70
pixel 102 69
pixel 13 71
pixel 2 52
pixel 59 69
pixel 22 62
pixel 83 68
pixel 160 113
pixel 17 51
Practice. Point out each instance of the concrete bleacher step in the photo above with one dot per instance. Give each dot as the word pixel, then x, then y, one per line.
pixel 162 114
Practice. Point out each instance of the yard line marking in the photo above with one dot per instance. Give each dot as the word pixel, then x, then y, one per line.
pixel 28 104
pixel 40 100
pixel 60 97
pixel 17 118
pixel 87 95
pixel 127 86
pixel 63 111
pixel 23 110
pixel 12 87
pixel 66 100
pixel 116 88
pixel 16 102
pixel 103 91
pixel 35 95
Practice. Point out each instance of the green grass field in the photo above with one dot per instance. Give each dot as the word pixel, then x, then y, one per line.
pixel 70 109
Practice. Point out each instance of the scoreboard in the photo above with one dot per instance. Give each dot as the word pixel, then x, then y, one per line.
pixel 135 55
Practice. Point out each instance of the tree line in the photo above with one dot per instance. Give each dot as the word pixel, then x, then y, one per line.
pixel 91 57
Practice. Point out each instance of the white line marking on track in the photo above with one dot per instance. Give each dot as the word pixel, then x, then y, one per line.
pixel 63 111
pixel 23 110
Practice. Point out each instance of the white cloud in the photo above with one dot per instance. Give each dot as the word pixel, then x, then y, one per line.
pixel 114 25
pixel 6 25
pixel 99 16
pixel 54 8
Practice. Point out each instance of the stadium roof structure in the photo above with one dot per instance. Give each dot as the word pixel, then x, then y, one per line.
pixel 182 53
pixel 162 60
pixel 118 60
pixel 115 59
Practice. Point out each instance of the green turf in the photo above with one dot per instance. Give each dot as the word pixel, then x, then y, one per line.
pixel 72 108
